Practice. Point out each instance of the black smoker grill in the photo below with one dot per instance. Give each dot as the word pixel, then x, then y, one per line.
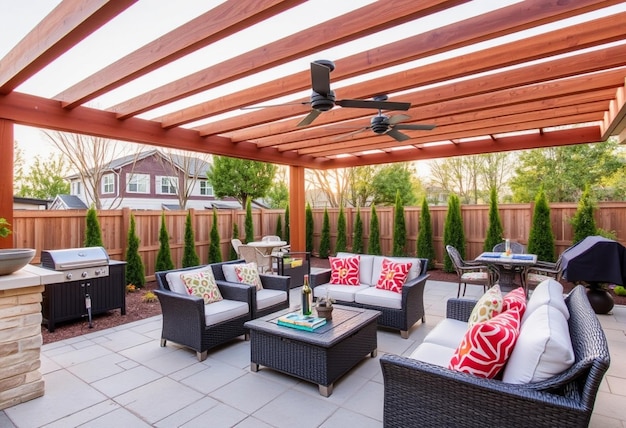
pixel 93 284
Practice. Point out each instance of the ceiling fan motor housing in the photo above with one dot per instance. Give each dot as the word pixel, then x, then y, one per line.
pixel 323 102
pixel 380 124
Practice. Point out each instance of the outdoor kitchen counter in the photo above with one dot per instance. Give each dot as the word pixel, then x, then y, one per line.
pixel 20 333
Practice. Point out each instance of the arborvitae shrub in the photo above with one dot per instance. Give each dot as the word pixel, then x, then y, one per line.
pixel 495 230
pixel 164 256
pixel 190 256
pixel 215 252
pixel 135 273
pixel 373 246
pixel 286 237
pixel 233 253
pixel 357 241
pixel 309 227
pixel 453 233
pixel 325 238
pixel 425 245
pixel 541 237
pixel 341 245
pixel 93 234
pixel 399 228
pixel 583 222
pixel 279 227
pixel 249 225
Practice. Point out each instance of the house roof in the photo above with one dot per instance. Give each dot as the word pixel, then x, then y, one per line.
pixel 68 202
pixel 530 74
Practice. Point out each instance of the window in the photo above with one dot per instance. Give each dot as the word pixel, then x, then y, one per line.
pixel 137 183
pixel 108 183
pixel 205 188
pixel 167 185
pixel 77 188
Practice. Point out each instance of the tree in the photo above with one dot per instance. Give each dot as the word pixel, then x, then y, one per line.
pixel 135 271
pixel 278 193
pixel 18 167
pixel 233 253
pixel 240 178
pixel 91 157
pixel 458 175
pixel 360 189
pixel 495 230
pixel 287 237
pixel 187 168
pixel 330 185
pixel 453 233
pixel 325 238
pixel 563 171
pixel 308 212
pixel 373 246
pixel 190 256
pixel 215 251
pixel 399 228
pixel 279 227
pixel 583 222
pixel 425 246
pixel 164 256
pixel 45 179
pixel 541 237
pixel 341 245
pixel 394 178
pixel 93 233
pixel 249 224
pixel 357 241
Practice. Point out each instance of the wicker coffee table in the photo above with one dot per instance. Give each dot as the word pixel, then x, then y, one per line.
pixel 321 356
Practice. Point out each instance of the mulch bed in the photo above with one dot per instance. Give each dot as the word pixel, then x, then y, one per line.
pixel 137 309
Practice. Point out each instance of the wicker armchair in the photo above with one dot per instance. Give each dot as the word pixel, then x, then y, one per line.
pixel 542 271
pixel 271 285
pixel 471 272
pixel 184 318
pixel 422 394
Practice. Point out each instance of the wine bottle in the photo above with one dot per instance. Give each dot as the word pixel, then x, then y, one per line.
pixel 307 297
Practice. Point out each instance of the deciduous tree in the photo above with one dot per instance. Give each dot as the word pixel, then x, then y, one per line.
pixel 46 179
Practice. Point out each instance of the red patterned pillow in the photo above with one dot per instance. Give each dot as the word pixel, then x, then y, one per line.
pixel 515 299
pixel 487 345
pixel 393 275
pixel 345 270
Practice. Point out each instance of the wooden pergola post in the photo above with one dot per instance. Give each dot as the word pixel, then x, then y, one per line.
pixel 6 177
pixel 297 200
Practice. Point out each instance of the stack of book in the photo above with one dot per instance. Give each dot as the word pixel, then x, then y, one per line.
pixel 301 322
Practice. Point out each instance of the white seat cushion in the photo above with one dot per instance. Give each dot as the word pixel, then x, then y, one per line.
pixel 378 297
pixel 549 292
pixel 543 348
pixel 267 297
pixel 224 310
pixel 177 285
pixel 448 332
pixel 433 353
pixel 343 293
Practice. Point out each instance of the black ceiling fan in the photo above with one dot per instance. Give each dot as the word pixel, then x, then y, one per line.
pixel 323 98
pixel 390 125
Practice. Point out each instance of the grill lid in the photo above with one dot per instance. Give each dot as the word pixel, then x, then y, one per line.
pixel 74 258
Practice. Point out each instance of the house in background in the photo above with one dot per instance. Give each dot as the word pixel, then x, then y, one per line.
pixel 68 202
pixel 20 203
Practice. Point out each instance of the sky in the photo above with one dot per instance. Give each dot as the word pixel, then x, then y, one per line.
pixel 148 19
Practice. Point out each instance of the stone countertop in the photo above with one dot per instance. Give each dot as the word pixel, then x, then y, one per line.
pixel 30 276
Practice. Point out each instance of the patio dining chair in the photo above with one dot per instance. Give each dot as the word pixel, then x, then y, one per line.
pixel 273 238
pixel 542 271
pixel 236 243
pixel 251 254
pixel 471 272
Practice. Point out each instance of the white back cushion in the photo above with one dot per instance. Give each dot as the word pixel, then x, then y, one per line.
pixel 230 274
pixel 548 292
pixel 365 266
pixel 176 283
pixel 378 266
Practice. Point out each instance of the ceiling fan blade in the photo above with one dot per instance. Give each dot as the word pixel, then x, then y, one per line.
pixel 417 127
pixel 378 105
pixel 349 134
pixel 320 78
pixel 397 135
pixel 398 118
pixel 299 103
pixel 309 118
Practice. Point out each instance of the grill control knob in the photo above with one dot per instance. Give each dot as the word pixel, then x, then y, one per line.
pixel 68 275
pixel 84 274
pixel 98 271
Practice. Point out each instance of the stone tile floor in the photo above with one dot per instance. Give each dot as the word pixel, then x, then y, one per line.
pixel 122 377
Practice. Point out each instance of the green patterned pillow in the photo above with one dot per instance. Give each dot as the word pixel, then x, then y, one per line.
pixel 249 274
pixel 202 284
pixel 487 307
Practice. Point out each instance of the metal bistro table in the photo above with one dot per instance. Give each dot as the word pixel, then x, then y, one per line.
pixel 267 247
pixel 506 266
pixel 321 356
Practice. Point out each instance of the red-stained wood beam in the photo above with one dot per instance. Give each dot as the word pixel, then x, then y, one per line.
pixel 366 20
pixel 69 23
pixel 592 33
pixel 614 121
pixel 566 137
pixel 6 177
pixel 503 21
pixel 218 23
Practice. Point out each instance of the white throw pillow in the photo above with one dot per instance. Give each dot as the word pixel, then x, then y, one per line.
pixel 230 274
pixel 543 349
pixel 548 292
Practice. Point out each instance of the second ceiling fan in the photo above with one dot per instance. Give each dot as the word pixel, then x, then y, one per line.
pixel 382 124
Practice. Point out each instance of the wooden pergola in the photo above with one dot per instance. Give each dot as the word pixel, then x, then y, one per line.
pixel 534 74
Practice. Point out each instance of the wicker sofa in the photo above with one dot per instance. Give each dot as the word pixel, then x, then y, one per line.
pixel 419 393
pixel 399 311
pixel 189 322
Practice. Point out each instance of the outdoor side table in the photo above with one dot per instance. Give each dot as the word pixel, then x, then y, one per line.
pixel 321 356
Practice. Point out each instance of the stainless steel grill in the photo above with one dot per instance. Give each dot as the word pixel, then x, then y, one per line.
pixel 92 284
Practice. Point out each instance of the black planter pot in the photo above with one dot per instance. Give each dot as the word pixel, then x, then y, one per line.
pixel 600 299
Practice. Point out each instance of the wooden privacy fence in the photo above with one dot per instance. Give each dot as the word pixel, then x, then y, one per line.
pixel 48 230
